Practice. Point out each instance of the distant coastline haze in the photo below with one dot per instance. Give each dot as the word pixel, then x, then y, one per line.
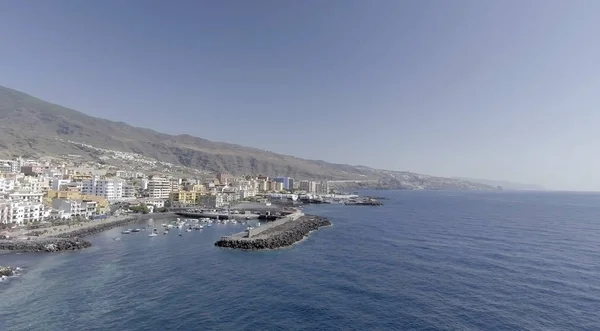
pixel 501 90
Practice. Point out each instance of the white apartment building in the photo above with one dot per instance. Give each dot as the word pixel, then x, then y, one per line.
pixel 110 189
pixel 70 208
pixel 322 187
pixel 6 185
pixel 5 209
pixel 159 188
pixel 57 183
pixel 11 166
pixel 129 174
pixel 23 212
pixel 128 191
pixel 26 196
pixel 308 186
pixel 31 183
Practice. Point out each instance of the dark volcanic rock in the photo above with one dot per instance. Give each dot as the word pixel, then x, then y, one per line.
pixel 44 245
pixel 280 236
pixel 6 271
pixel 67 241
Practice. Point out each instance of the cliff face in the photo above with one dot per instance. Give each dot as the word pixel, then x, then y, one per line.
pixel 30 126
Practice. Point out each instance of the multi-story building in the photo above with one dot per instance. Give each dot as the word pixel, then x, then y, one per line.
pixel 55 184
pixel 26 196
pixel 224 178
pixel 5 209
pixel 24 212
pixel 291 186
pixel 100 202
pixel 322 187
pixel 285 181
pixel 159 188
pixel 128 191
pixel 70 208
pixel 11 166
pixel 263 186
pixel 110 189
pixel 308 186
pixel 32 170
pixel 183 198
pixel 128 174
pixel 275 186
pixel 36 184
pixel 6 185
pixel 217 200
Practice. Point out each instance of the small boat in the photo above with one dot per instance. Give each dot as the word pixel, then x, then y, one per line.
pixel 152 234
pixel 188 230
pixel 116 238
pixel 180 234
pixel 209 225
pixel 125 232
pixel 166 232
pixel 135 230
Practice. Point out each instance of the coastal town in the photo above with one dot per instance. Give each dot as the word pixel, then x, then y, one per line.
pixel 53 190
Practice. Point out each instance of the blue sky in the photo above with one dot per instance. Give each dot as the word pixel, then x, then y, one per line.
pixel 487 89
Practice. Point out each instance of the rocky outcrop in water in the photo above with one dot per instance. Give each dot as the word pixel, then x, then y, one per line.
pixel 6 271
pixel 96 228
pixel 277 237
pixel 44 245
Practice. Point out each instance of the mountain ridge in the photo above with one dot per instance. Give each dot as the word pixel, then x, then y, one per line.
pixel 31 126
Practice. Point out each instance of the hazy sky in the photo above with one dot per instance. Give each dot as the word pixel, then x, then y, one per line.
pixel 486 89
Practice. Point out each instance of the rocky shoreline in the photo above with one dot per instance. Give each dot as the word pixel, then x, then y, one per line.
pixel 281 236
pixel 44 244
pixel 67 241
pixel 7 271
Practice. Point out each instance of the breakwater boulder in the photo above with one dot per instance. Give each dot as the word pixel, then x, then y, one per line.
pixel 279 236
pixel 89 230
pixel 6 271
pixel 44 244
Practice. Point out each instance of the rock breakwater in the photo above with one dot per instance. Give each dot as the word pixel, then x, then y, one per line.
pixel 279 236
pixel 44 244
pixel 6 271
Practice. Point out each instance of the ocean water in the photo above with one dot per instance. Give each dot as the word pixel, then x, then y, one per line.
pixel 424 261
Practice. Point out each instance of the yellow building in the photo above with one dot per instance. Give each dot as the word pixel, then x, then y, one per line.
pixel 186 197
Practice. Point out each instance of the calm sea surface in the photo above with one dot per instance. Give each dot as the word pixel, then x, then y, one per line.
pixel 424 261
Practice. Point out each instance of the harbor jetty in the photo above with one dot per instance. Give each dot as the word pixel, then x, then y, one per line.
pixel 278 234
pixel 44 244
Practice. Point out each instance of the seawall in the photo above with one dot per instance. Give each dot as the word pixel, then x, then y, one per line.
pixel 44 244
pixel 284 234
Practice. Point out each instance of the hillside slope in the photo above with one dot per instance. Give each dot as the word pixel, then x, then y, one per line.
pixel 30 126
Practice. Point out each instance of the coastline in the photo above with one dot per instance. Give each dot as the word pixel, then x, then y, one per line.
pixel 63 238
